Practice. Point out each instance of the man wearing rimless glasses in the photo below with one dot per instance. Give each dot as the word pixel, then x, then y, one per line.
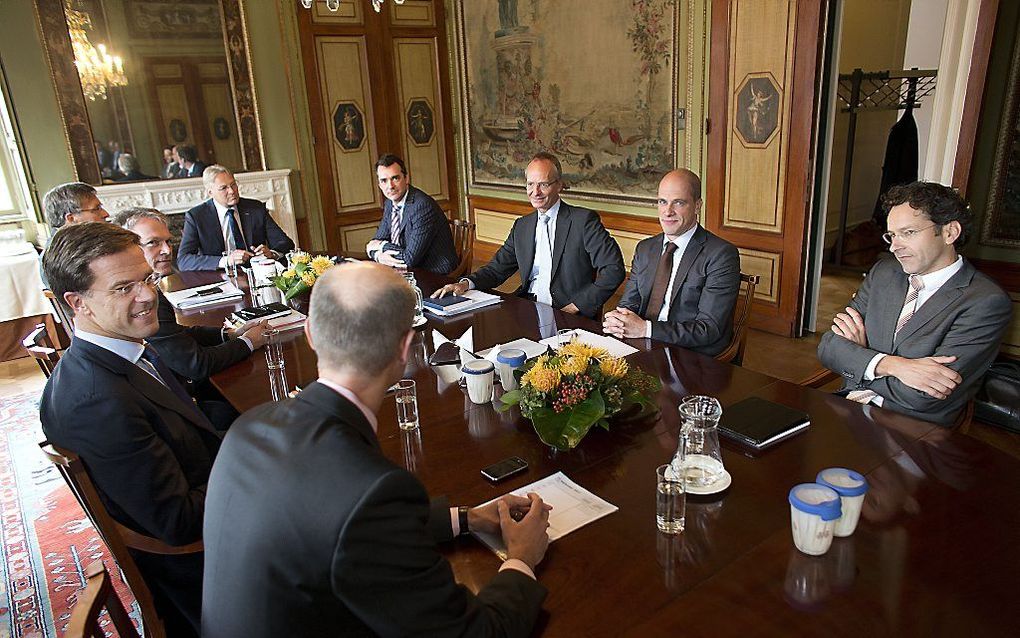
pixel 924 327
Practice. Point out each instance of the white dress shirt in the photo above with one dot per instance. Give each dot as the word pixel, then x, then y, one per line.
pixel 681 246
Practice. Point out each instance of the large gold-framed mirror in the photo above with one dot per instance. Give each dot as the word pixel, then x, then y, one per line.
pixel 160 73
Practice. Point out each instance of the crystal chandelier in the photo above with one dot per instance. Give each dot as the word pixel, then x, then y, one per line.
pixel 334 5
pixel 96 68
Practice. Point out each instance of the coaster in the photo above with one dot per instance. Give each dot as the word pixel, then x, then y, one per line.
pixel 420 322
pixel 714 488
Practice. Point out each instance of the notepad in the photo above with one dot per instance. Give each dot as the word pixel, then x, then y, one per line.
pixel 760 424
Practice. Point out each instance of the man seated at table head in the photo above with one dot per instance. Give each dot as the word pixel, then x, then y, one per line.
pixel 114 403
pixel 311 529
pixel 189 165
pixel 923 327
pixel 414 231
pixel 564 254
pixel 193 352
pixel 684 281
pixel 247 221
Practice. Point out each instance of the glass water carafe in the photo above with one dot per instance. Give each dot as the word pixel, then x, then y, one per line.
pixel 699 457
pixel 419 307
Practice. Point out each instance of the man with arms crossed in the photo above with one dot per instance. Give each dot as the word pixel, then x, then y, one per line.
pixel 564 254
pixel 414 232
pixel 684 282
pixel 310 530
pixel 253 230
pixel 113 402
pixel 923 328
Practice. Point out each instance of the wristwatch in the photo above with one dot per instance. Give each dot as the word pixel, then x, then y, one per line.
pixel 462 518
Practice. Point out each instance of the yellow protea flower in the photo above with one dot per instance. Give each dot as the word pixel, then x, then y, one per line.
pixel 320 264
pixel 289 274
pixel 308 277
pixel 301 258
pixel 573 365
pixel 541 378
pixel 580 349
pixel 613 367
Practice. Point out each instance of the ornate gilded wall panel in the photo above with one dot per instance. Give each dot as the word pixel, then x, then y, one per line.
pixel 413 13
pixel 350 12
pixel 421 107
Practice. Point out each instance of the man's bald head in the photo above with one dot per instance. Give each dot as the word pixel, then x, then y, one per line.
pixel 679 202
pixel 683 178
pixel 360 315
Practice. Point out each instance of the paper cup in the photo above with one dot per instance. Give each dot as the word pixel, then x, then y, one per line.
pixel 478 375
pixel 814 509
pixel 509 360
pixel 851 487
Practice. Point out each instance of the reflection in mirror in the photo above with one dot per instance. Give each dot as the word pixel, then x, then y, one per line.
pixel 157 87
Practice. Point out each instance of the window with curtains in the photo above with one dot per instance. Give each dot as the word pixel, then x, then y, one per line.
pixel 15 201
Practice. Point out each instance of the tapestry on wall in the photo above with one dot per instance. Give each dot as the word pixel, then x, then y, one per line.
pixel 596 87
pixel 1002 226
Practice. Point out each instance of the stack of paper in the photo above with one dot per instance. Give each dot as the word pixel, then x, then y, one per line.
pixel 614 346
pixel 473 300
pixel 203 295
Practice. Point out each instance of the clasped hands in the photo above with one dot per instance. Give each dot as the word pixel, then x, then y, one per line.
pixel 385 257
pixel 623 323
pixel 930 375
pixel 240 256
pixel 522 522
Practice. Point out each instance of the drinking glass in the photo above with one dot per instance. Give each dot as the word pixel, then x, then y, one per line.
pixel 699 453
pixel 274 349
pixel 670 500
pixel 407 405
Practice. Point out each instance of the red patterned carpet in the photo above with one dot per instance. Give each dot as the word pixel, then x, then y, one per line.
pixel 47 539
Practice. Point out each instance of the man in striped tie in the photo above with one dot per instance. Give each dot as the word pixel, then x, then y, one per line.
pixel 923 328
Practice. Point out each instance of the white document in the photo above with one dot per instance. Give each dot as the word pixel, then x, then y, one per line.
pixel 213 294
pixel 613 345
pixel 531 348
pixel 573 507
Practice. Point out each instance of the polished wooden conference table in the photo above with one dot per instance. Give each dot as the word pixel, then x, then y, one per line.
pixel 936 552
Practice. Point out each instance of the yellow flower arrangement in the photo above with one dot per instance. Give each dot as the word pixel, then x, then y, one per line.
pixel 304 271
pixel 613 367
pixel 320 264
pixel 542 378
pixel 577 348
pixel 300 258
pixel 573 365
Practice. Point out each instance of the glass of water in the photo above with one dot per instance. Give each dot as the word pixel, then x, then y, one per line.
pixel 407 405
pixel 670 500
pixel 274 349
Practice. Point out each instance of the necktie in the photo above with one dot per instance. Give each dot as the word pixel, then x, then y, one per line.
pixel 543 262
pixel 662 273
pixel 395 224
pixel 908 310
pixel 153 364
pixel 235 230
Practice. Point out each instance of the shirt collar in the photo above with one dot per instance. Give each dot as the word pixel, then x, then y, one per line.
pixel 935 280
pixel 221 210
pixel 683 239
pixel 130 350
pixel 403 200
pixel 552 212
pixel 353 398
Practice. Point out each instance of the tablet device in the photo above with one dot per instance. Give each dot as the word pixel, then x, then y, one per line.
pixel 760 424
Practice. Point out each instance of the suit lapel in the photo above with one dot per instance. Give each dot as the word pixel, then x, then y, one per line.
pixel 654 250
pixel 889 313
pixel 947 294
pixel 563 219
pixel 331 402
pixel 408 206
pixel 526 250
pixel 245 220
pixel 694 248
pixel 212 220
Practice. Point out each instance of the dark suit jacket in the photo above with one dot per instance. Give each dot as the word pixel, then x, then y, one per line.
pixel 147 452
pixel 587 262
pixel 194 352
pixel 425 240
pixel 310 530
pixel 704 291
pixel 965 318
pixel 202 239
pixel 196 170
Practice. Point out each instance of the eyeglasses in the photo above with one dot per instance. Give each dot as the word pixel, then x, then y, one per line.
pixel 131 289
pixel 676 203
pixel 93 209
pixel 539 185
pixel 905 235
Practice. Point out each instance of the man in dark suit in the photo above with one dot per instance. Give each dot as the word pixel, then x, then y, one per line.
pixel 252 230
pixel 113 402
pixel 189 164
pixel 564 254
pixel 310 529
pixel 923 329
pixel 193 352
pixel 71 203
pixel 414 231
pixel 683 282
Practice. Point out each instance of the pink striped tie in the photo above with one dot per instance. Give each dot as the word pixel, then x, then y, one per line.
pixel 395 224
pixel 909 307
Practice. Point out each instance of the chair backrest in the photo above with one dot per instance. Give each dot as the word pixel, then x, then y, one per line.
pixel 118 538
pixel 66 320
pixel 464 242
pixel 734 353
pixel 98 593
pixel 39 346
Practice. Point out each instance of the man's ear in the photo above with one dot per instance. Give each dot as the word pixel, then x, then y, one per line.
pixel 76 301
pixel 308 335
pixel 405 347
pixel 70 218
pixel 952 231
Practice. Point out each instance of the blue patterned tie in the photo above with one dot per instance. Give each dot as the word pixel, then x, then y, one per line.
pixel 235 230
pixel 154 365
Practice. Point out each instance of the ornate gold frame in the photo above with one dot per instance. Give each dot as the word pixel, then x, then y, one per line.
pixel 996 230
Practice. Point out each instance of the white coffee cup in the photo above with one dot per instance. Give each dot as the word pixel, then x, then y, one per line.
pixel 263 269
pixel 509 360
pixel 478 375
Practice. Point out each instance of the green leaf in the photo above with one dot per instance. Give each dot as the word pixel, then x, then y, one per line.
pixel 296 289
pixel 510 398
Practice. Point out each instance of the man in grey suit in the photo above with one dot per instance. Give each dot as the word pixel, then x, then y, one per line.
pixel 683 282
pixel 565 256
pixel 923 329
pixel 414 231
pixel 311 530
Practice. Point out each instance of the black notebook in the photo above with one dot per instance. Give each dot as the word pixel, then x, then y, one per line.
pixel 445 302
pixel 759 423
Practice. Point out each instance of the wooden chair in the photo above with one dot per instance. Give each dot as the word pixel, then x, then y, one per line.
pixel 65 319
pixel 117 537
pixel 98 593
pixel 40 348
pixel 464 242
pixel 734 353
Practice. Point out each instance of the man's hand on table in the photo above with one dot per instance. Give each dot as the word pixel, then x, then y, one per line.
pixel 485 518
pixel 374 246
pixel 265 251
pixel 623 323
pixel 257 334
pixel 389 258
pixel 570 309
pixel 527 540
pixel 239 257
pixel 458 288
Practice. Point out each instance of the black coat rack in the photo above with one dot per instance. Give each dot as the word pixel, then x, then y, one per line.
pixel 875 91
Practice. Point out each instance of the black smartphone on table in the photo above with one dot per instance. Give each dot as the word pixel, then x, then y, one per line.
pixel 505 469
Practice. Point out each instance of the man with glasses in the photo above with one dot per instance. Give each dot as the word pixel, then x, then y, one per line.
pixel 564 254
pixel 923 328
pixel 114 403
pixel 193 352
pixel 683 282
pixel 71 203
